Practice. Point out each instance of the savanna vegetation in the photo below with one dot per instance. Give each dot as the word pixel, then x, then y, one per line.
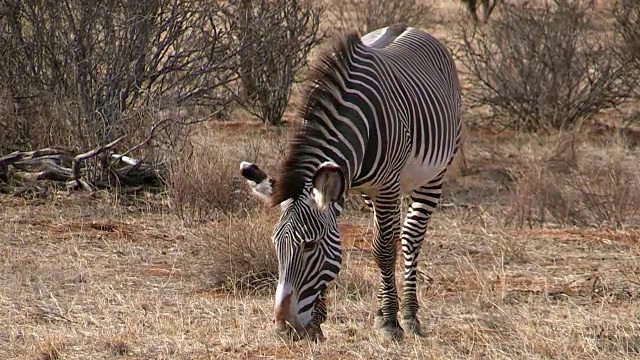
pixel 128 233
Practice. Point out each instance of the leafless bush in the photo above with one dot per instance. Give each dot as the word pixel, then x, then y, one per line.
pixel 546 67
pixel 578 185
pixel 13 130
pixel 627 16
pixel 276 37
pixel 100 64
pixel 369 15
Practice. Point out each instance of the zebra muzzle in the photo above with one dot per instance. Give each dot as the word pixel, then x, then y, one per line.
pixel 313 331
pixel 290 328
pixel 287 323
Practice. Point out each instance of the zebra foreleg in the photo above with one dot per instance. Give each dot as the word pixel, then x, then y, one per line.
pixel 387 229
pixel 423 202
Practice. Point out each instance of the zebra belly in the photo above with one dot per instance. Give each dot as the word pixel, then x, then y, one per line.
pixel 416 174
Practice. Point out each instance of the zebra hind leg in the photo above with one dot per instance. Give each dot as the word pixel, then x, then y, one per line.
pixel 424 201
pixel 387 229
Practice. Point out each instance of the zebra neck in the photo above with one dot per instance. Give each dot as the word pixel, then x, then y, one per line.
pixel 339 153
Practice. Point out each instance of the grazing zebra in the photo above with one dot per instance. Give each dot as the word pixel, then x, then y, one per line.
pixel 382 117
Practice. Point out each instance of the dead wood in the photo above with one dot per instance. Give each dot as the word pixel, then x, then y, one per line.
pixel 33 172
pixel 19 155
pixel 89 154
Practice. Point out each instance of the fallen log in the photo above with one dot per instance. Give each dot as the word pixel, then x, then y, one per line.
pixel 75 166
pixel 33 172
pixel 20 155
pixel 125 159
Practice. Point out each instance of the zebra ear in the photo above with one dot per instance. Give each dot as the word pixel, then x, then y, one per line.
pixel 328 184
pixel 261 184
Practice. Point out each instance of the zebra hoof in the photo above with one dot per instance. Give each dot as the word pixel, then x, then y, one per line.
pixel 413 326
pixel 391 330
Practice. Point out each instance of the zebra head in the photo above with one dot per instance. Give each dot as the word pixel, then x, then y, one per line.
pixel 307 242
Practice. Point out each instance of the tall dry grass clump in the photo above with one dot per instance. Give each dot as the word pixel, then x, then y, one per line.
pixel 242 257
pixel 204 180
pixel 204 184
pixel 577 184
pixel 208 194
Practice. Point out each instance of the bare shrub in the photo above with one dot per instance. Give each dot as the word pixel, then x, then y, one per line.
pixel 29 124
pixel 627 19
pixel 99 64
pixel 579 185
pixel 368 15
pixel 627 16
pixel 545 67
pixel 276 37
pixel 12 136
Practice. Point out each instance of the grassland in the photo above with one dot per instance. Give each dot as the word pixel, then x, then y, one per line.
pixel 100 276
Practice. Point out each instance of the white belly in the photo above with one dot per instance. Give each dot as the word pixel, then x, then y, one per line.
pixel 416 174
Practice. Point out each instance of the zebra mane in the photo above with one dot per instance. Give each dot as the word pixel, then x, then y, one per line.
pixel 324 77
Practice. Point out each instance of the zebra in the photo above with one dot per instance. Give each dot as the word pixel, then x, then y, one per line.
pixel 381 116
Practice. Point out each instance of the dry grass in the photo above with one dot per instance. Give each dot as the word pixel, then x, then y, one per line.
pixel 148 289
pixel 85 277
pixel 205 182
pixel 578 183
